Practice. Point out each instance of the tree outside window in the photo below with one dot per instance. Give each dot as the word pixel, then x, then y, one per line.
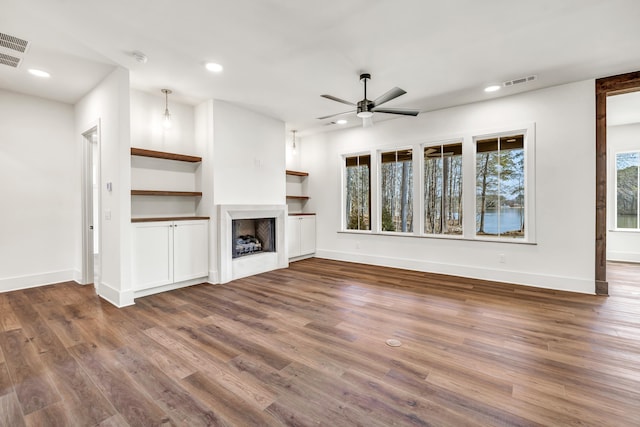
pixel 443 189
pixel 358 192
pixel 397 190
pixel 500 192
pixel 627 184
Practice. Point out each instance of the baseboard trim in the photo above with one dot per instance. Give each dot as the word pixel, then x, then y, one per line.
pixel 301 257
pixel 569 284
pixel 114 296
pixel 171 287
pixel 602 288
pixel 34 280
pixel 623 256
pixel 214 277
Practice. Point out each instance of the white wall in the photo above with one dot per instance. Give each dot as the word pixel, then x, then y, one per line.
pixel 248 156
pixel 204 141
pixel 621 245
pixel 109 105
pixel 293 157
pixel 563 255
pixel 146 124
pixel 39 186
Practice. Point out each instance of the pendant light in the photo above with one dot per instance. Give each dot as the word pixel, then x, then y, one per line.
pixel 166 118
pixel 294 142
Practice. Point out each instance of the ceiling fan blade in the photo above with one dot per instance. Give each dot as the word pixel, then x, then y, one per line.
pixel 333 115
pixel 333 98
pixel 392 94
pixel 396 111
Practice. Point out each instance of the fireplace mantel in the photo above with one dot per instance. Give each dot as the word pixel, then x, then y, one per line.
pixel 231 269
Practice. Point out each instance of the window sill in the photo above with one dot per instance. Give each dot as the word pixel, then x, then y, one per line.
pixel 625 230
pixel 439 237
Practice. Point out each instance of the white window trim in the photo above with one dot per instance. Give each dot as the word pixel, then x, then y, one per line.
pixel 378 193
pixel 343 186
pixel 529 183
pixel 441 142
pixel 468 139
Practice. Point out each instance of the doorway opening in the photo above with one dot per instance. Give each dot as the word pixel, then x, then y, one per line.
pixel 91 241
pixel 606 87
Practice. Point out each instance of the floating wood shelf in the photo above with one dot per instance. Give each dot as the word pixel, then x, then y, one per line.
pixel 297 173
pixel 164 155
pixel 174 218
pixel 298 197
pixel 301 213
pixel 165 193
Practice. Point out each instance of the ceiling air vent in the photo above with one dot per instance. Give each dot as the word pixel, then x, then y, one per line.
pixel 13 43
pixel 9 60
pixel 519 81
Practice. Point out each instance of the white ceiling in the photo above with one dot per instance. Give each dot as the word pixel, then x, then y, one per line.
pixel 281 55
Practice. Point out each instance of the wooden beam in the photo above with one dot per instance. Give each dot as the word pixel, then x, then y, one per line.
pixel 606 86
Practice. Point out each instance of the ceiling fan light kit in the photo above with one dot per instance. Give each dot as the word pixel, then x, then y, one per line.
pixel 365 108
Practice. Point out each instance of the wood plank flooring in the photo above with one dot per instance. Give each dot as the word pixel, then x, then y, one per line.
pixel 305 346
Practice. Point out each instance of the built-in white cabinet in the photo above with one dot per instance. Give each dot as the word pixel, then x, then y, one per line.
pixel 301 235
pixel 169 252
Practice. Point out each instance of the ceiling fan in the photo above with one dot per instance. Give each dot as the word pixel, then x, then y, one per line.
pixel 365 108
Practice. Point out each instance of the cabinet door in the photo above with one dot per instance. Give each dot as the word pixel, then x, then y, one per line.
pixel 307 235
pixel 190 250
pixel 152 255
pixel 293 236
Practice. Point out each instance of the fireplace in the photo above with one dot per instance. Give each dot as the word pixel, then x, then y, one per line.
pixel 252 236
pixel 251 240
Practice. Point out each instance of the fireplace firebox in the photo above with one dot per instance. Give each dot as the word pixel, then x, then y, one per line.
pixel 253 236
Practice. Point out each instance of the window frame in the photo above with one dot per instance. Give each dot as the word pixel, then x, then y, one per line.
pixel 615 193
pixel 528 132
pixel 379 152
pixel 441 143
pixel 343 179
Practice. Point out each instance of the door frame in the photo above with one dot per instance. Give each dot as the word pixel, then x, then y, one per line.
pixel 606 86
pixel 88 202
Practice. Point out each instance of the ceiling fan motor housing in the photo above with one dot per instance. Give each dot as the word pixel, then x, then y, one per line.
pixel 364 108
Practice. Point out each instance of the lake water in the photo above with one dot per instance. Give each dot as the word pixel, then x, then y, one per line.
pixel 510 220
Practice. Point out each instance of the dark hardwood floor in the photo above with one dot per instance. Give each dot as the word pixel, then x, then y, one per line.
pixel 305 346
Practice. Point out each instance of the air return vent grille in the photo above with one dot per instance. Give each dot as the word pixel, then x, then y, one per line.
pixel 519 81
pixel 13 43
pixel 9 60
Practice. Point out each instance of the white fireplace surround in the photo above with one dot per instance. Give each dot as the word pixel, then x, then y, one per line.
pixel 230 268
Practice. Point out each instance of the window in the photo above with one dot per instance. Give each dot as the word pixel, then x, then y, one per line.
pixel 500 186
pixel 396 189
pixel 443 189
pixel 627 180
pixel 358 192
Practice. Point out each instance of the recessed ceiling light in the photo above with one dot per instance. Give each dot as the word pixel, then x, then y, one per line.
pixel 341 122
pixel 213 67
pixel 39 73
pixel 492 88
